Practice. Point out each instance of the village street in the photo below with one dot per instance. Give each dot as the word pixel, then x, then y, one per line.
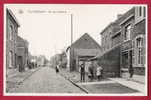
pixel 46 80
pixel 80 55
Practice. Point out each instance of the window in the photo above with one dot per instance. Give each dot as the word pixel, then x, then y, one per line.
pixel 127 32
pixel 140 57
pixel 140 11
pixel 10 59
pixel 11 33
pixel 144 11
pixel 139 44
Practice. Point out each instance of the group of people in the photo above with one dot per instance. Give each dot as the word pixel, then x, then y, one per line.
pixel 94 70
pixel 32 65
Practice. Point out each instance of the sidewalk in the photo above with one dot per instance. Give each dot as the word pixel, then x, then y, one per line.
pixel 137 83
pixel 15 78
pixel 114 86
pixel 139 79
pixel 130 84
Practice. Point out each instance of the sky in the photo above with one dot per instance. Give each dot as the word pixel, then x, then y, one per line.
pixel 47 27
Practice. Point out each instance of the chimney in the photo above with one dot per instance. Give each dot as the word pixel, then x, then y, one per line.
pixel 119 16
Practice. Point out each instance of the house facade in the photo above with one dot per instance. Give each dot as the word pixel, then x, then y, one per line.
pixel 109 58
pixel 80 51
pixel 140 40
pixel 11 39
pixel 133 48
pixel 22 53
pixel 124 40
pixel 127 27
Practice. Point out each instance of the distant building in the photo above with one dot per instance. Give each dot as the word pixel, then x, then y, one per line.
pixel 62 59
pixel 41 60
pixel 32 61
pixel 80 51
pixel 22 53
pixel 11 38
pixel 55 60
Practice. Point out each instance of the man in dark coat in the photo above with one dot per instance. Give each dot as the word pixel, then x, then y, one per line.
pixel 131 71
pixel 82 72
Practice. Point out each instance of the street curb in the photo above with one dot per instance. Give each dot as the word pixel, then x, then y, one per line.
pixel 83 89
pixel 29 75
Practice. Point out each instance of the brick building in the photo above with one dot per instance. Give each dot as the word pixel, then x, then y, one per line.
pixel 22 53
pixel 109 58
pixel 140 41
pixel 109 36
pixel 124 44
pixel 134 41
pixel 80 51
pixel 11 37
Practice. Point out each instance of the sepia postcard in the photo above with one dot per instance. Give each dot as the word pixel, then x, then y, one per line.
pixel 75 49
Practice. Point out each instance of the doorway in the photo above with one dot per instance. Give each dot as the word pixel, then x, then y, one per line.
pixel 20 63
pixel 126 63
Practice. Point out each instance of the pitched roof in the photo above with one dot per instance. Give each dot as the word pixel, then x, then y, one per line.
pixel 86 37
pixel 13 16
pixel 118 21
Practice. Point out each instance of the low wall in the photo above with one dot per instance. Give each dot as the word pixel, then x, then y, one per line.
pixel 110 62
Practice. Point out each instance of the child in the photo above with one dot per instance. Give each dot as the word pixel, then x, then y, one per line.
pixel 99 72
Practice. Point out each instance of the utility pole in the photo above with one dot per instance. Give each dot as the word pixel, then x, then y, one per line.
pixel 71 52
pixel 55 60
pixel 71 29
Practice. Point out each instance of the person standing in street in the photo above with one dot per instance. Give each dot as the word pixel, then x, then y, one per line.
pixel 90 71
pixel 82 72
pixel 99 72
pixel 57 68
pixel 131 71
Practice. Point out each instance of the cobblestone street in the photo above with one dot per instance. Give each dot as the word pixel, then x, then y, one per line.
pixel 79 56
pixel 46 80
